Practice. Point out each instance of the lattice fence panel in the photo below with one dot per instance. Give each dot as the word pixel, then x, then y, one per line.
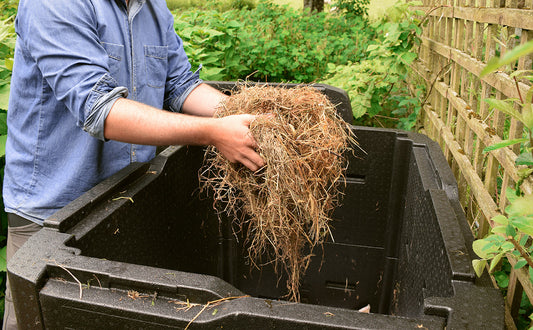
pixel 459 39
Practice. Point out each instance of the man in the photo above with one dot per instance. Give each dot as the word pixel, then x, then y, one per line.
pixel 70 123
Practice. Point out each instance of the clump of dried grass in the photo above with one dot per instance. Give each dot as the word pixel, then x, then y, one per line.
pixel 286 206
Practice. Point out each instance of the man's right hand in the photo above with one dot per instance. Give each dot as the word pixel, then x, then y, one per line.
pixel 232 137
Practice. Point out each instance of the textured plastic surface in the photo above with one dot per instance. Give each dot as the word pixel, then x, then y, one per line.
pixel 144 239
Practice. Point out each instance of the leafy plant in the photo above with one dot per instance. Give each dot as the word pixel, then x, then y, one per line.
pixel 220 5
pixel 512 231
pixel 8 8
pixel 7 45
pixel 210 39
pixel 376 84
pixel 270 42
pixel 353 7
pixel 509 235
pixel 507 106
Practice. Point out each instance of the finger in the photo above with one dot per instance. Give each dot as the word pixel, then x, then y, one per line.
pixel 247 119
pixel 256 159
pixel 249 164
pixel 251 141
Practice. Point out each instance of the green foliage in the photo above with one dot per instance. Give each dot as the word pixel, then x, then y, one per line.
pixel 497 62
pixel 221 5
pixel 280 44
pixel 511 235
pixel 507 106
pixel 7 45
pixel 270 42
pixel 510 230
pixel 8 8
pixel 353 7
pixel 376 84
pixel 211 38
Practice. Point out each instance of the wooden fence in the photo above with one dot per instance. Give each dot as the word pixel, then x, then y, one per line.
pixel 460 37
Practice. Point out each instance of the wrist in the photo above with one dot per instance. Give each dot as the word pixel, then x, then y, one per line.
pixel 209 133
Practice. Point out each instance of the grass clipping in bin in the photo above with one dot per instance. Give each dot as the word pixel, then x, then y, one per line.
pixel 285 207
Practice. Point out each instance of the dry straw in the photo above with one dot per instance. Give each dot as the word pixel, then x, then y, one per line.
pixel 284 208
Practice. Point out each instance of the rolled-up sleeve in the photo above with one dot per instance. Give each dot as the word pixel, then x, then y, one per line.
pixel 64 43
pixel 99 103
pixel 181 80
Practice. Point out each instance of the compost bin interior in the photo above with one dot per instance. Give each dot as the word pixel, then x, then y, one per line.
pixel 374 258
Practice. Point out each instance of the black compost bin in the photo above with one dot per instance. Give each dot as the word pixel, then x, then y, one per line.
pixel 144 250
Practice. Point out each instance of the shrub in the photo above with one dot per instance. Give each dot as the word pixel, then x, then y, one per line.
pixel 271 42
pixel 376 84
pixel 353 7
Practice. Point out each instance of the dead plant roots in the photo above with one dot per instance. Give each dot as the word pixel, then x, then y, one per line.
pixel 285 207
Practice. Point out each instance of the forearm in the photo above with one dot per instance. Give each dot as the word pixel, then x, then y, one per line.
pixel 203 101
pixel 133 122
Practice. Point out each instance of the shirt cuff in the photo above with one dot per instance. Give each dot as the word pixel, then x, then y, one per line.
pixel 176 103
pixel 94 123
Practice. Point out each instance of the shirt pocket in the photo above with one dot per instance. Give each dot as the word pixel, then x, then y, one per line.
pixel 155 58
pixel 115 53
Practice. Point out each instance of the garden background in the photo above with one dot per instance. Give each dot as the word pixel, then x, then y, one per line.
pixel 405 65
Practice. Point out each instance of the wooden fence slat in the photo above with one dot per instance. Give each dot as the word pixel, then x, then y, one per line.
pixel 499 80
pixel 520 18
pixel 522 276
pixel 487 204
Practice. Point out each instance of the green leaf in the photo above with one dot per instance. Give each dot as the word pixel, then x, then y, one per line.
pixel 510 231
pixel 3 123
pixel 4 96
pixel 511 194
pixel 485 248
pixel 524 158
pixel 523 173
pixel 3 139
pixel 527 112
pixel 372 47
pixel 479 266
pixel 524 225
pixel 520 263
pixel 492 65
pixel 408 58
pixel 522 206
pixel 507 246
pixel 502 279
pixel 505 106
pixel 500 219
pixel 508 58
pixel 9 64
pixel 503 144
pixel 3 259
pixel 519 74
pixel 499 229
pixel 495 262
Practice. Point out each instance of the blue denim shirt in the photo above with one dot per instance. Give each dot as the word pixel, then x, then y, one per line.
pixel 73 59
